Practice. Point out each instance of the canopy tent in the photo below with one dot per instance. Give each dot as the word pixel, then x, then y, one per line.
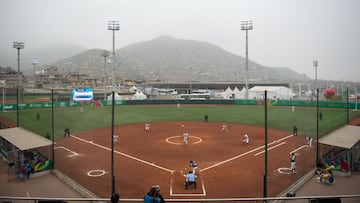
pixel 345 151
pixel 227 94
pixel 345 137
pixel 139 95
pixel 117 97
pixel 24 139
pixel 274 92
pixel 228 90
pixel 239 94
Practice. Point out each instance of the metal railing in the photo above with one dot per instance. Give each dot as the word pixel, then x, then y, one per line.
pixel 329 199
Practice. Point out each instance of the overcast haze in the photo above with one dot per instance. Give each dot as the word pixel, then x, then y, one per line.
pixel 286 33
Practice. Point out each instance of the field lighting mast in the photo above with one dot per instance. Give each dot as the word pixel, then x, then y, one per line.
pixel 246 25
pixel 114 26
pixel 34 63
pixel 105 54
pixel 315 64
pixel 18 46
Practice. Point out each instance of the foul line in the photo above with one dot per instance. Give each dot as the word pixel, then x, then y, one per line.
pixel 278 145
pixel 298 149
pixel 72 152
pixel 233 158
pixel 246 153
pixel 284 138
pixel 126 155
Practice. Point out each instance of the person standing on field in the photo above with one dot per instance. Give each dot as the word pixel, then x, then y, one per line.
pixel 224 128
pixel 147 127
pixel 293 163
pixel 246 138
pixel 295 131
pixel 67 132
pixel 186 137
pixel 194 166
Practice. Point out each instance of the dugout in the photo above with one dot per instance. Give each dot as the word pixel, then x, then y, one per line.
pixel 18 145
pixel 341 148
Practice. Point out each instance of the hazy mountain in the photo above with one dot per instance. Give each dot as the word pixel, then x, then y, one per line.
pixel 174 60
pixel 44 56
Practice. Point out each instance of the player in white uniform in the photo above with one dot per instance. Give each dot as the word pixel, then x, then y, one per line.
pixel 246 139
pixel 224 128
pixel 309 140
pixel 194 166
pixel 147 127
pixel 186 137
pixel 115 139
pixel 292 163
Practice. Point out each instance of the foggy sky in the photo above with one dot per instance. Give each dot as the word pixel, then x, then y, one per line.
pixel 286 33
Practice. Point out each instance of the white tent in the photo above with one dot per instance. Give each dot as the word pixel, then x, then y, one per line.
pixel 117 97
pixel 239 94
pixel 273 92
pixel 227 94
pixel 139 95
pixel 133 88
pixel 236 90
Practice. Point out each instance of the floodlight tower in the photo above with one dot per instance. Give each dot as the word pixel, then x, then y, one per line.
pixel 34 63
pixel 246 25
pixel 114 26
pixel 18 46
pixel 105 54
pixel 315 64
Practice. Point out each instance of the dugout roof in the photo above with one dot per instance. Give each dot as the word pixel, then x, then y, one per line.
pixel 345 137
pixel 24 139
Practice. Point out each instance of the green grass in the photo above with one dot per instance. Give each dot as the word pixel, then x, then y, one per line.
pixel 281 118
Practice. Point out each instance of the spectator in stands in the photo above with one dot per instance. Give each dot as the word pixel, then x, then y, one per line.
pixel 28 169
pixel 154 196
pixel 115 198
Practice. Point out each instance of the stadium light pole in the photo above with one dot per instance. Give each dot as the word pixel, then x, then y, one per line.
pixel 315 64
pixel 34 63
pixel 190 91
pixel 18 46
pixel 356 100
pixel 105 54
pixel 266 148
pixel 113 26
pixel 246 25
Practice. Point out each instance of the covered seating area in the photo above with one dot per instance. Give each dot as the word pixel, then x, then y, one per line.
pixel 344 150
pixel 18 146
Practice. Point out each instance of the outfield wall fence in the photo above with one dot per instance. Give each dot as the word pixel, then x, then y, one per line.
pixel 98 103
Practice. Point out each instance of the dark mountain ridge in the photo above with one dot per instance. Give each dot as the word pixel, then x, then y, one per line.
pixel 168 59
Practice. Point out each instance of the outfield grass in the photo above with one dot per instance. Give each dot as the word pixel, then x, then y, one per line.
pixel 281 118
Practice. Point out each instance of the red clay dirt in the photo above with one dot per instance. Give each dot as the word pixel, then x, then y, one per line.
pixel 227 167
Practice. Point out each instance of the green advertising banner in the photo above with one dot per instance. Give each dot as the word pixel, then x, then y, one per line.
pixel 99 103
